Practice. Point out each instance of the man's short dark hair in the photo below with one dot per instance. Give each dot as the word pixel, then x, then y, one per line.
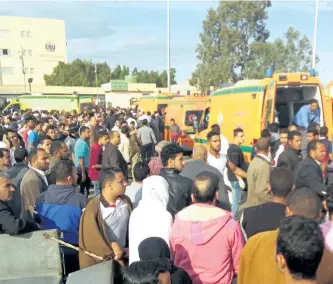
pixel 20 154
pixel 141 171
pixel 50 127
pixel 124 129
pixel 323 131
pixel 273 127
pixel 172 119
pixel 2 152
pixel 313 146
pixel 265 134
pixel 284 131
pixel 211 134
pixel 305 202
pixel 29 118
pixel 56 146
pixel 216 128
pixel 329 199
pixel 206 191
pixel 108 175
pixel 312 130
pixel 314 101
pixel 293 134
pixel 83 129
pixel 42 140
pixel 170 152
pixel 238 130
pixel 102 133
pixel 301 243
pixel 146 271
pixel 281 181
pixel 144 121
pixel 63 169
pixel 34 153
pixel 263 145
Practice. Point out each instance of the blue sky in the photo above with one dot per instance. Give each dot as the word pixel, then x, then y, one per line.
pixel 134 32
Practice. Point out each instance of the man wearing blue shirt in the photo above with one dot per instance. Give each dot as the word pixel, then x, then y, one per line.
pixel 308 113
pixel 81 155
pixel 33 136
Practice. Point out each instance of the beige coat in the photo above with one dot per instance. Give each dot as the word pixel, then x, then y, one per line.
pixel 258 178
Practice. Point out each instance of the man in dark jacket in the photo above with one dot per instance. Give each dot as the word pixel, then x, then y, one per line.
pixel 291 157
pixel 20 167
pixel 110 120
pixel 180 188
pixel 309 173
pixel 112 157
pixel 60 207
pixel 9 223
pixel 199 165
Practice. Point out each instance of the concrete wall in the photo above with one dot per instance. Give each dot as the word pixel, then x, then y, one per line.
pixel 43 42
pixel 121 99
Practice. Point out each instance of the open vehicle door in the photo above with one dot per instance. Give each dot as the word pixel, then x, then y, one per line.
pixel 268 114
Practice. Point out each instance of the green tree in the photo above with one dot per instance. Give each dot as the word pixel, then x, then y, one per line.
pixel 227 35
pixel 78 73
pixel 234 45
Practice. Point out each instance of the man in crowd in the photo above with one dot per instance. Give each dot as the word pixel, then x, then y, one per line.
pixel 134 190
pixel 20 168
pixel 202 229
pixel 291 157
pixel 9 223
pixel 15 142
pixel 266 135
pixel 258 260
pixel 34 182
pixel 148 139
pixel 45 143
pixel 33 136
pixel 104 223
pixel 309 173
pixel 82 154
pixel 236 156
pixel 180 187
pixel 280 145
pixel 327 227
pixel 96 155
pixel 198 165
pixel 214 157
pixel 156 165
pixel 307 114
pixel 60 208
pixel 30 122
pixel 71 139
pixel 112 156
pixel 299 249
pixel 58 152
pixel 4 160
pixel 51 131
pixel 312 134
pixel 323 137
pixel 258 176
pixel 267 216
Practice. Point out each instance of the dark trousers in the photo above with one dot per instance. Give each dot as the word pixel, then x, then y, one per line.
pixel 71 260
pixel 146 151
pixel 84 185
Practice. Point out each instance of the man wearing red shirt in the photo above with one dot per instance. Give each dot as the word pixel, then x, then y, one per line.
pixel 95 161
pixel 30 122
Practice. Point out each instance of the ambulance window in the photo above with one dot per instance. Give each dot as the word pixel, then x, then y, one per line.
pixel 205 120
pixel 268 113
pixel 192 116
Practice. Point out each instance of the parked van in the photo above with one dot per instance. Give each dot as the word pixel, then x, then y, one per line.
pixel 38 101
pixel 253 104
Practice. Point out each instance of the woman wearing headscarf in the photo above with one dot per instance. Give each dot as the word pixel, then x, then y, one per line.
pixel 150 218
pixel 156 248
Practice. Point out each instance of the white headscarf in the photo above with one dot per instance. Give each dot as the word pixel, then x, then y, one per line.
pixel 150 218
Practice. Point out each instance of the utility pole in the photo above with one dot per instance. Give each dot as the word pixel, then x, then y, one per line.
pixel 23 71
pixel 96 82
pixel 315 36
pixel 169 60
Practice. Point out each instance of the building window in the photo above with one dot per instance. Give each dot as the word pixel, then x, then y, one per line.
pixel 28 34
pixel 6 70
pixel 30 52
pixel 22 33
pixel 32 70
pixel 5 52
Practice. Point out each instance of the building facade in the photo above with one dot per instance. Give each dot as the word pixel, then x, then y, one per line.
pixel 30 48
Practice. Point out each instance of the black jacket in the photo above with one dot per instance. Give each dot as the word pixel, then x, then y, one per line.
pixel 112 157
pixel 180 189
pixel 309 174
pixel 236 156
pixel 110 121
pixel 16 169
pixel 9 224
pixel 289 158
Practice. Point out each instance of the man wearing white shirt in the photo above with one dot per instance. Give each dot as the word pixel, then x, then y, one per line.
pixel 215 158
pixel 224 140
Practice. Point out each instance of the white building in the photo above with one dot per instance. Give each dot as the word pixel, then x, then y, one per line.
pixel 32 45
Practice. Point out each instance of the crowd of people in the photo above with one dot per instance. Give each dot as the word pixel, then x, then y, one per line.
pixel 214 219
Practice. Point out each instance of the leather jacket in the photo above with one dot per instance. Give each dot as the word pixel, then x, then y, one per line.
pixel 180 189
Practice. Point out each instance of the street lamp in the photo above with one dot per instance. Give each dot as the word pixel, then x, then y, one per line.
pixel 315 36
pixel 30 81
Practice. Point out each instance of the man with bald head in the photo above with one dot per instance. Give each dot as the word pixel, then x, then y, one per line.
pixel 198 165
pixel 112 157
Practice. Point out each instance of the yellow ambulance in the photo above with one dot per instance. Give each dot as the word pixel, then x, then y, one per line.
pixel 253 104
pixel 38 101
pixel 154 102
